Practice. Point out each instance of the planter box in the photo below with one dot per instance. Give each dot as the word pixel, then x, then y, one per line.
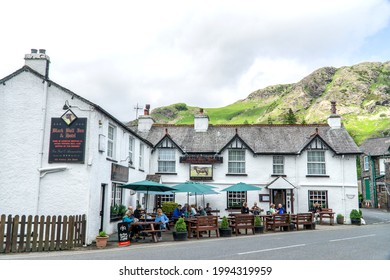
pixel 225 232
pixel 259 229
pixel 356 222
pixel 101 242
pixel 179 235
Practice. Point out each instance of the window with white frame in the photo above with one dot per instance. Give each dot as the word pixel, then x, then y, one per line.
pixel 321 197
pixel 236 161
pixel 278 165
pixel 166 160
pixel 235 199
pixel 366 163
pixel 141 156
pixel 316 163
pixel 111 141
pixel 131 150
pixel 116 196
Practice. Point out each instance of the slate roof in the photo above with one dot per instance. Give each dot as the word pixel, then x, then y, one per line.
pixel 261 139
pixel 376 146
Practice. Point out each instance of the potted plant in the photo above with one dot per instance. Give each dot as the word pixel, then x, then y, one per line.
pixel 224 229
pixel 355 217
pixel 259 228
pixel 180 232
pixel 340 219
pixel 101 239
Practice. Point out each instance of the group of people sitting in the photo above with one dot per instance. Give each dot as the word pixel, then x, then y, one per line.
pixel 190 211
pixel 256 210
pixel 134 216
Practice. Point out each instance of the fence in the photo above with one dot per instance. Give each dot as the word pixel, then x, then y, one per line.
pixel 40 233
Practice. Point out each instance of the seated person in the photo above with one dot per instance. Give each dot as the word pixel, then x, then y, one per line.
pixel 208 208
pixel 271 209
pixel 280 209
pixel 193 210
pixel 316 209
pixel 163 219
pixel 201 211
pixel 134 230
pixel 177 212
pixel 256 209
pixel 138 212
pixel 244 208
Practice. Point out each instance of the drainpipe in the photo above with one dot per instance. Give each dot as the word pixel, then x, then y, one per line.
pixel 42 134
pixel 373 176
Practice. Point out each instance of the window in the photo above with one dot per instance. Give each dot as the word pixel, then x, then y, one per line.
pixel 111 141
pixel 166 160
pixel 141 156
pixel 236 164
pixel 131 151
pixel 316 163
pixel 116 198
pixel 366 163
pixel 160 199
pixel 318 196
pixel 235 199
pixel 278 165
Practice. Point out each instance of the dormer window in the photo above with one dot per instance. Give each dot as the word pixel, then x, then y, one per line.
pixel 166 160
pixel 316 163
pixel 236 164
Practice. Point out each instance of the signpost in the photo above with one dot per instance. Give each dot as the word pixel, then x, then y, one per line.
pixel 123 234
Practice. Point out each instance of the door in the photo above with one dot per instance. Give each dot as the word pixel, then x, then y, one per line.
pixel 102 199
pixel 279 196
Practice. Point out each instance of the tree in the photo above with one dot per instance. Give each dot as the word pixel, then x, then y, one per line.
pixel 290 117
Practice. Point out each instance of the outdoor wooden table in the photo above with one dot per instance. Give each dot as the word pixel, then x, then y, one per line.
pixel 148 227
pixel 265 217
pixel 189 222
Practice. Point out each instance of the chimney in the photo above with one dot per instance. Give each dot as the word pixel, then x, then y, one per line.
pixel 145 122
pixel 38 61
pixel 201 122
pixel 334 120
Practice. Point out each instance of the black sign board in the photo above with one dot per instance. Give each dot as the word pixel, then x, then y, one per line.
pixel 67 142
pixel 119 173
pixel 123 234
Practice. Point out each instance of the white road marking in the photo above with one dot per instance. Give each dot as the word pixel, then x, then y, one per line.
pixel 350 238
pixel 272 249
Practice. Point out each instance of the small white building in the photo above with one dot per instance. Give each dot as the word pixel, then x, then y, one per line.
pixel 61 154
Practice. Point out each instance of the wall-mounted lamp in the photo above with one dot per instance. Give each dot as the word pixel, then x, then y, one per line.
pixel 68 106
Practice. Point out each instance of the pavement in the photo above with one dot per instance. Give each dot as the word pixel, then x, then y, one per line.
pixel 370 215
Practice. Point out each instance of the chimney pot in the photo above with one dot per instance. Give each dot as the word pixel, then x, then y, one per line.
pixel 333 107
pixel 34 50
pixel 42 51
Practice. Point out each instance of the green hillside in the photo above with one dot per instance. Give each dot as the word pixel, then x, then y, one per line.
pixel 362 93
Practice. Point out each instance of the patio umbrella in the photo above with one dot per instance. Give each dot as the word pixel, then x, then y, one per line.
pixel 148 186
pixel 241 187
pixel 193 187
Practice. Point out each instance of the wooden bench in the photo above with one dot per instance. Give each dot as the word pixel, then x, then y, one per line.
pixel 204 223
pixel 278 221
pixel 147 229
pixel 327 213
pixel 304 219
pixel 243 221
pixel 153 233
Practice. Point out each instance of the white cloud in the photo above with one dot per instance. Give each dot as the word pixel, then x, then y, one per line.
pixel 120 53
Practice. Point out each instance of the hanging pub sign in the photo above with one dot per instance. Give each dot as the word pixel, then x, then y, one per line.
pixel 119 173
pixel 67 140
pixel 201 171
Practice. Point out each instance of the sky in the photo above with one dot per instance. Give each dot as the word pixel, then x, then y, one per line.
pixel 122 54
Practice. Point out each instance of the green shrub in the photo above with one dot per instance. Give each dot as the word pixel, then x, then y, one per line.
pixel 180 225
pixel 102 234
pixel 168 207
pixel 224 223
pixel 340 216
pixel 258 221
pixel 355 214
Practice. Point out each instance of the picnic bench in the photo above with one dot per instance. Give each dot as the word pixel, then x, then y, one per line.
pixel 203 223
pixel 148 229
pixel 243 221
pixel 304 219
pixel 281 221
pixel 327 213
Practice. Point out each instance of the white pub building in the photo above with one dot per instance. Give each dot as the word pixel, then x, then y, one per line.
pixel 64 155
